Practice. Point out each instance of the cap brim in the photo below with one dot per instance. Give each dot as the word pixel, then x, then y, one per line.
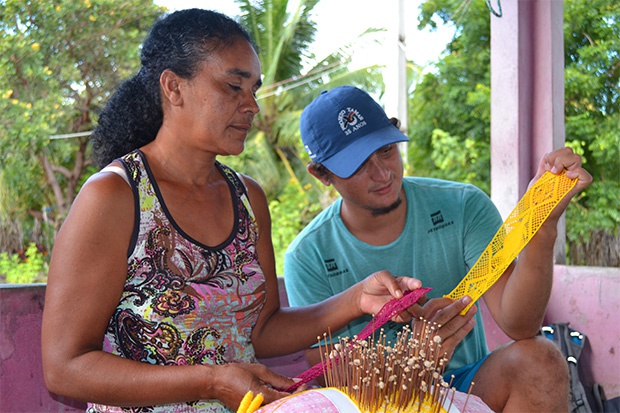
pixel 348 160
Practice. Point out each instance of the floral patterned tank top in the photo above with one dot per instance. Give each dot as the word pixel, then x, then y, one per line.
pixel 184 302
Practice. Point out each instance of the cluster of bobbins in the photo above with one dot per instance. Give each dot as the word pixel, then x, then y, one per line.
pixel 406 376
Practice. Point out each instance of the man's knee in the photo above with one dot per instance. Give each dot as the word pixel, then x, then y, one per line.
pixel 530 375
pixel 539 370
pixel 539 354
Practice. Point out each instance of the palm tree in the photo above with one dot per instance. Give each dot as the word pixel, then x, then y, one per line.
pixel 292 77
pixel 284 32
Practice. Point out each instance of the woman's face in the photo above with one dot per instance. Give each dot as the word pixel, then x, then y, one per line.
pixel 219 103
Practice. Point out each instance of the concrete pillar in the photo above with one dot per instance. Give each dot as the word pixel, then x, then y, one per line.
pixel 527 98
pixel 395 74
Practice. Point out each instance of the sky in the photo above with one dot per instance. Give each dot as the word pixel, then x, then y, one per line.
pixel 341 22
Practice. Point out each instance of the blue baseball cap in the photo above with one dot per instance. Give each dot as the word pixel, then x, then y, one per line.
pixel 342 127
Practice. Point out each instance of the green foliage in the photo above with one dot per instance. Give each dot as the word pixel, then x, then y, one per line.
pixel 284 31
pixel 449 112
pixel 592 56
pixel 291 211
pixel 451 106
pixel 59 61
pixel 26 268
pixel 457 158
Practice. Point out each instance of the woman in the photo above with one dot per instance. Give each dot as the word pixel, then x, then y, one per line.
pixel 162 289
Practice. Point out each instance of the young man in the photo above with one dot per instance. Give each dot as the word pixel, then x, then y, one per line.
pixel 432 230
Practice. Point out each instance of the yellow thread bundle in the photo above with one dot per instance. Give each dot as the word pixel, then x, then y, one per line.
pixel 249 403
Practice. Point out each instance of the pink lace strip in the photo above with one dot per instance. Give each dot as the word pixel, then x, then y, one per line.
pixel 387 312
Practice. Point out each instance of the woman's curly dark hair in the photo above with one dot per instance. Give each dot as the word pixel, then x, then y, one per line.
pixel 180 41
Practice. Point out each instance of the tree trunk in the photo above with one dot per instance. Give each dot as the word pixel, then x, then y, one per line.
pixel 603 250
pixel 65 198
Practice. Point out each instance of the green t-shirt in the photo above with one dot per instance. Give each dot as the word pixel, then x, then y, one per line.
pixel 448 226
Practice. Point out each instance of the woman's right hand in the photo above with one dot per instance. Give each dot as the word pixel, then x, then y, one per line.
pixel 232 381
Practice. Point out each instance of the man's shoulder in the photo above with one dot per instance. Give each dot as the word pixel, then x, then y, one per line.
pixel 434 187
pixel 433 190
pixel 426 182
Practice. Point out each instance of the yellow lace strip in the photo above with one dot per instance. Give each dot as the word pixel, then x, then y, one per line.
pixel 516 231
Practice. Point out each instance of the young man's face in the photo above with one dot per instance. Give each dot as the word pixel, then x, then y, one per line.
pixel 376 185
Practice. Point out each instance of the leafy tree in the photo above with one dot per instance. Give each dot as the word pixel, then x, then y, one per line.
pixel 449 111
pixel 592 56
pixel 58 62
pixel 61 60
pixel 26 267
pixel 450 118
pixel 284 31
pixel 292 76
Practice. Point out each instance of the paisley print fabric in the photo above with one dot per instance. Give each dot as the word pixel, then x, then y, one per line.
pixel 185 303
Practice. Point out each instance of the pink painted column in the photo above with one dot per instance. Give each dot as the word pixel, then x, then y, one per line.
pixel 527 97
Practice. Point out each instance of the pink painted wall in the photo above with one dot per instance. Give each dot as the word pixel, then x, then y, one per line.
pixel 585 296
pixel 590 301
pixel 22 388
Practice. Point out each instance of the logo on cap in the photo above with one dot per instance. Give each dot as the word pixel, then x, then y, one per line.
pixel 350 120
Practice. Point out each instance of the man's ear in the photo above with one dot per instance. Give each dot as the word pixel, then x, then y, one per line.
pixel 169 82
pixel 323 178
